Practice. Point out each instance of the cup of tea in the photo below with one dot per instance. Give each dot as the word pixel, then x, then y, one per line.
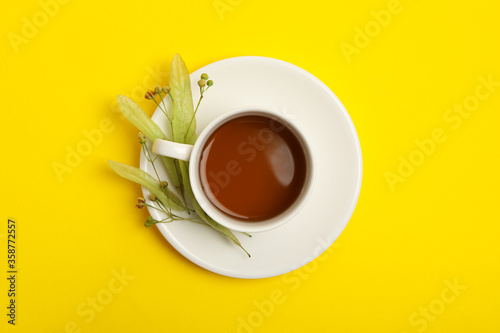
pixel 251 169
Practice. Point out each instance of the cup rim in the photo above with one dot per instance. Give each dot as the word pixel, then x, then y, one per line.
pixel 233 223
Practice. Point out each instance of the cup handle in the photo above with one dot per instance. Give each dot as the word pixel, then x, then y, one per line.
pixel 176 150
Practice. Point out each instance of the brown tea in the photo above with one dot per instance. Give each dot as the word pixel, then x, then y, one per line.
pixel 252 168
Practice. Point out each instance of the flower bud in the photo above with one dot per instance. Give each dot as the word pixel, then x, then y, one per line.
pixel 152 197
pixel 149 222
pixel 158 90
pixel 202 83
pixel 210 83
pixel 142 138
pixel 204 76
pixel 166 89
pixel 163 184
pixel 140 203
pixel 149 94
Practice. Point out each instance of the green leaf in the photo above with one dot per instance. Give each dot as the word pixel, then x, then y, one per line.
pixel 182 102
pixel 143 178
pixel 140 119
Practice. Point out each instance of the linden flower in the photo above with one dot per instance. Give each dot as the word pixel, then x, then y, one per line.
pixel 140 203
pixel 142 137
pixel 150 94
pixel 149 222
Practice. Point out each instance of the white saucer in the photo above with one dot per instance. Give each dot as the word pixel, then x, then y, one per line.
pixel 274 83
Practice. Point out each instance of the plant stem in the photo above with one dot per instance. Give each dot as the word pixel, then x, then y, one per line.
pixel 150 160
pixel 195 110
pixel 165 107
pixel 164 111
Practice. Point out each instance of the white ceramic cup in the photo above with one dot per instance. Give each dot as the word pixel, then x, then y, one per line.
pixel 192 154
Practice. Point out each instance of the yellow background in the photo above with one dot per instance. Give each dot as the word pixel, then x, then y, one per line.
pixel 398 252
